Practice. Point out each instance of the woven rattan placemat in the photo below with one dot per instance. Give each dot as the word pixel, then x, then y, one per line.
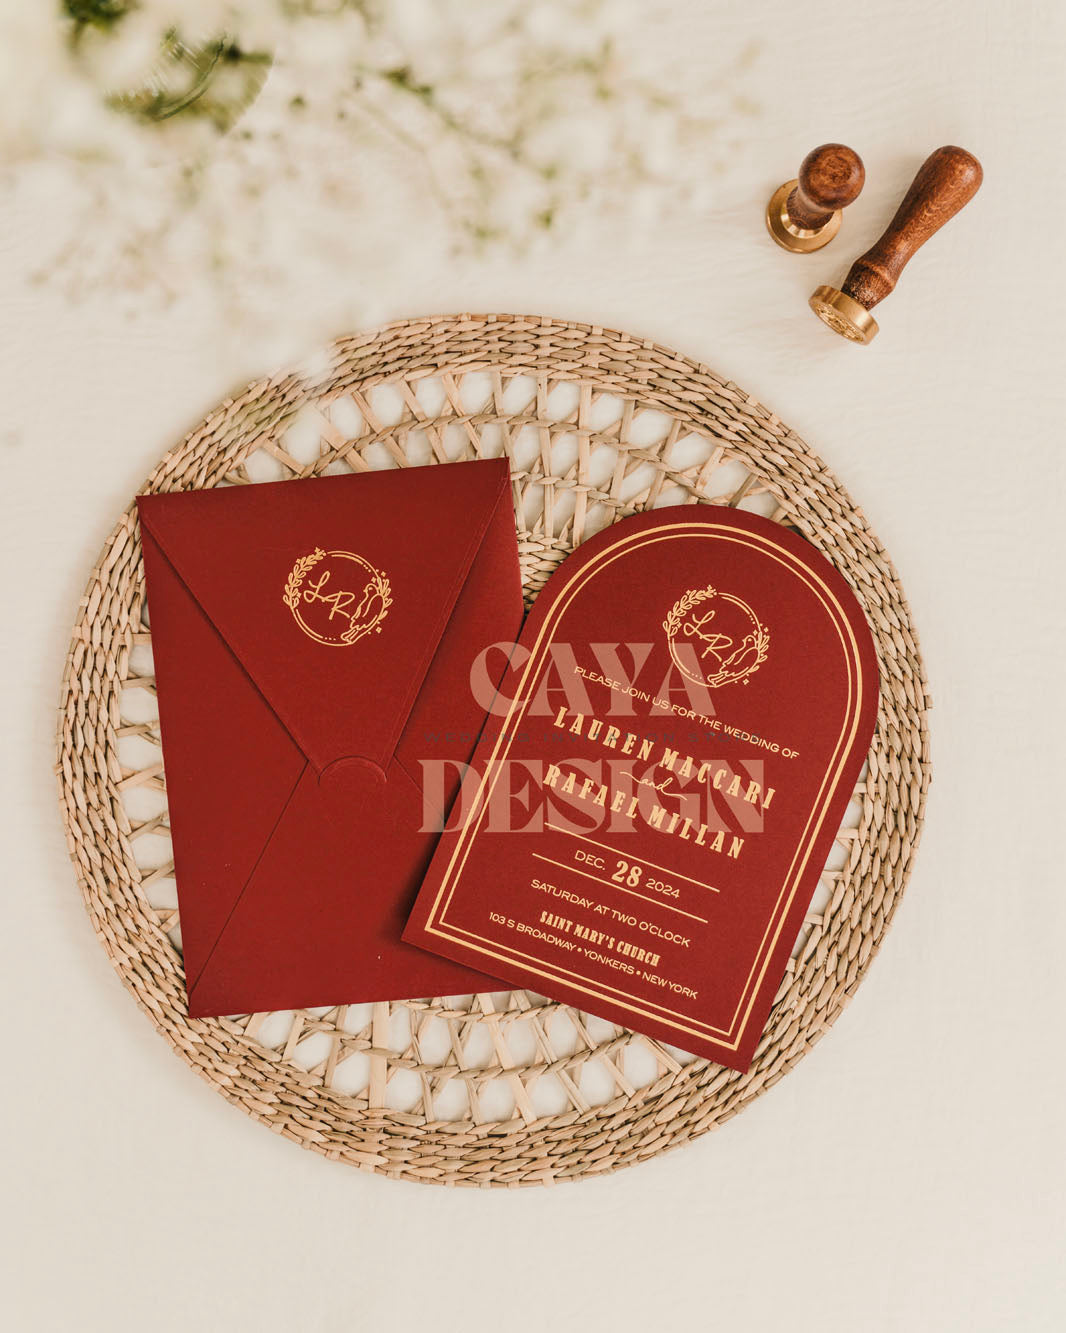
pixel 502 1089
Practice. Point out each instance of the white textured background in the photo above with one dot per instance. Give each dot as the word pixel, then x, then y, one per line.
pixel 909 1174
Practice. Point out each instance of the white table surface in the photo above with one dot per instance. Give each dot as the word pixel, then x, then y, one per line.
pixel 908 1175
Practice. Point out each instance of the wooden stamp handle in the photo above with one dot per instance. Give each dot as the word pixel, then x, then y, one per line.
pixel 830 178
pixel 946 181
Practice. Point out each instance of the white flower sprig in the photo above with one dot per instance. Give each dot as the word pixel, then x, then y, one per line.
pixel 498 121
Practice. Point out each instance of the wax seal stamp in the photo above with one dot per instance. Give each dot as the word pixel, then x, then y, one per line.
pixel 946 181
pixel 804 214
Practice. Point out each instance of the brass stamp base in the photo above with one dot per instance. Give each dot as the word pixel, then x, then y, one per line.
pixel 843 315
pixel 787 234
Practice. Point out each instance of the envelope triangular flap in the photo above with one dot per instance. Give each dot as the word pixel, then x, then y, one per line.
pixel 334 592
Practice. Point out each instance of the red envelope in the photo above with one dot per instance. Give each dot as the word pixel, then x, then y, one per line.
pixel 313 646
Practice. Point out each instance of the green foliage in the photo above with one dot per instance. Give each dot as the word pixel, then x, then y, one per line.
pixel 96 13
pixel 214 80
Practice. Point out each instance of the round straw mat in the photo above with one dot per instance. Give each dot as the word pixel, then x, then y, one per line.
pixel 509 1088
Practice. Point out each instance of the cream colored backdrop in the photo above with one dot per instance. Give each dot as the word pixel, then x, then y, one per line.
pixel 909 1174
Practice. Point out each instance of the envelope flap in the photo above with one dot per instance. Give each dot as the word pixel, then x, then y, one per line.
pixel 333 592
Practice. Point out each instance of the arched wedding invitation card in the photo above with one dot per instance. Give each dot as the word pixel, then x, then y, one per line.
pixel 669 757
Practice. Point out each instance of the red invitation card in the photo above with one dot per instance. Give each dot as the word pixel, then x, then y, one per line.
pixel 312 644
pixel 673 749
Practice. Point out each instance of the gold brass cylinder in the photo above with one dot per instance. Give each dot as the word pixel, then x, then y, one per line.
pixel 787 234
pixel 843 314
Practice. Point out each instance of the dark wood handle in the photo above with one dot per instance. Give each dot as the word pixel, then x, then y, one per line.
pixel 830 178
pixel 946 181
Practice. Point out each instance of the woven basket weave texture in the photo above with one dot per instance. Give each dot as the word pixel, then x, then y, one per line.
pixel 503 1089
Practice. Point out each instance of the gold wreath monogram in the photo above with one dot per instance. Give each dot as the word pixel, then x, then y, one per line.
pixel 360 613
pixel 727 662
